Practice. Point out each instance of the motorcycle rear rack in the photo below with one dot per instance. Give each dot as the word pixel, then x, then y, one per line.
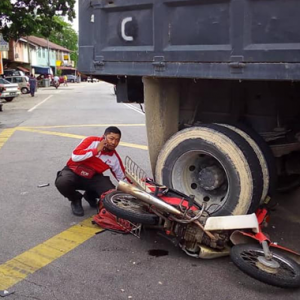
pixel 135 230
pixel 136 174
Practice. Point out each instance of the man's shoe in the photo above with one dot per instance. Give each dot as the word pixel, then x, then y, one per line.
pixel 93 202
pixel 77 208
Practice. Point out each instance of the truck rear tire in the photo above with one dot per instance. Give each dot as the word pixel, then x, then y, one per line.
pixel 216 165
pixel 260 155
pixel 267 152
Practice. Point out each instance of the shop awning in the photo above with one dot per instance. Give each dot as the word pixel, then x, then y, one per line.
pixel 42 70
pixel 23 69
pixel 66 68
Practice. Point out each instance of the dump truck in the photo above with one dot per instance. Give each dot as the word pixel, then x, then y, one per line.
pixel 219 80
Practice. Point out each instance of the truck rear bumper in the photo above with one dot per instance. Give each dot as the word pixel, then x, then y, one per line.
pixel 238 71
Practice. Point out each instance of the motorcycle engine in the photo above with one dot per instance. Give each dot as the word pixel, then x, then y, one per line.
pixel 191 236
pixel 188 235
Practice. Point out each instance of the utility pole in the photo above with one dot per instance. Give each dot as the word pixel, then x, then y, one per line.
pixel 48 80
pixel 29 54
pixel 48 53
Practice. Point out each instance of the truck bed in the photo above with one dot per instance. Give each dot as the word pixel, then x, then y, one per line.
pixel 222 39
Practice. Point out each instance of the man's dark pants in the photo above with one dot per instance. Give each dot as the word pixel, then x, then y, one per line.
pixel 68 183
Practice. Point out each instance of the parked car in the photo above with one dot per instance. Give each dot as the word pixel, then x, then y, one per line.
pixel 89 79
pixel 72 78
pixel 13 72
pixel 22 81
pixel 8 91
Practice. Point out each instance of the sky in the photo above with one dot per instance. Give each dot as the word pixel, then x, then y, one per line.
pixel 75 21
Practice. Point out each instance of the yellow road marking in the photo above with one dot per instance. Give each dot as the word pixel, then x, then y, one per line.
pixel 133 146
pixel 85 125
pixel 76 136
pixel 5 135
pixel 18 268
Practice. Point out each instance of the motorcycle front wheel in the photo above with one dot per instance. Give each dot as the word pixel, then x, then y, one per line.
pixel 281 272
pixel 130 208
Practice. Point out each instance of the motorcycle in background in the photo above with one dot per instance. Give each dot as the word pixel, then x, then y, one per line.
pixel 56 84
pixel 199 234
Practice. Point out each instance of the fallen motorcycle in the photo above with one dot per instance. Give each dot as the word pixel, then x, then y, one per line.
pixel 200 235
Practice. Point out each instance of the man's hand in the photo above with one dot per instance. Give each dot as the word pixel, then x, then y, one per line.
pixel 101 145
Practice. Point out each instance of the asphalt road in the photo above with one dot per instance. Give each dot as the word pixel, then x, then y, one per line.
pixel 38 136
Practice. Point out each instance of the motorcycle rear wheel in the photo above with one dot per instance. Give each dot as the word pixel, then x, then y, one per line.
pixel 246 258
pixel 127 207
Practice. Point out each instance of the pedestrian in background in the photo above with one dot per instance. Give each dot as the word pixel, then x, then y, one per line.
pixel 65 80
pixel 32 85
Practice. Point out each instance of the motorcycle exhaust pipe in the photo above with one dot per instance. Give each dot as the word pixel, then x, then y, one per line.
pixel 208 253
pixel 149 199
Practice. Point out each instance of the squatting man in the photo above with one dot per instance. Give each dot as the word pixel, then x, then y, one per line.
pixel 84 170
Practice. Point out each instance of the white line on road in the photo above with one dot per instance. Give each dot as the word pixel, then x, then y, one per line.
pixel 33 108
pixel 134 108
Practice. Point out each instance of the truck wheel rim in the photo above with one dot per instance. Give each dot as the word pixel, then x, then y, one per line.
pixel 201 174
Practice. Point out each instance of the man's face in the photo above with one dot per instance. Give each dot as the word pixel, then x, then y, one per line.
pixel 112 141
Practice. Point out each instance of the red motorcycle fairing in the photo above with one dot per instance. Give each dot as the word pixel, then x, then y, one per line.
pixel 173 200
pixel 107 220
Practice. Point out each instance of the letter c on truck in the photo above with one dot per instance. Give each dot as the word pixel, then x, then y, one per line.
pixel 126 38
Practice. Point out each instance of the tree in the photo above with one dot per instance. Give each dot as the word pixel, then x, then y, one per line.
pixel 66 37
pixel 26 17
